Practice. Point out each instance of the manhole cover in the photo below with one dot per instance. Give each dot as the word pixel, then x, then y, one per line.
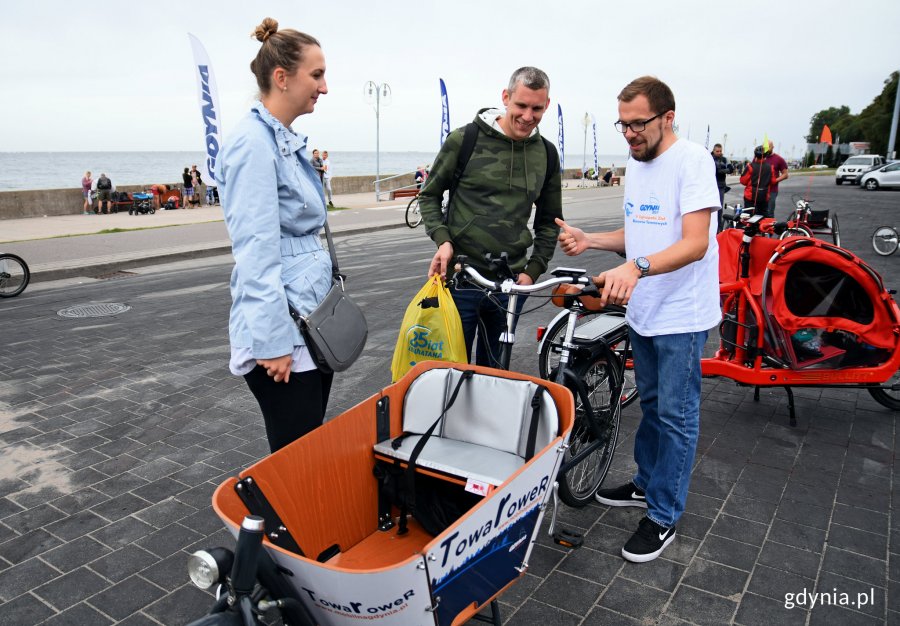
pixel 102 309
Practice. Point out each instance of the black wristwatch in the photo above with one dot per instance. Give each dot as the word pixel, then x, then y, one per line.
pixel 643 265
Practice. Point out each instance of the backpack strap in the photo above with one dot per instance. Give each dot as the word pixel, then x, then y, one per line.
pixel 552 160
pixel 470 136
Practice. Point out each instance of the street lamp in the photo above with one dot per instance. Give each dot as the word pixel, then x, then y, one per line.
pixel 374 94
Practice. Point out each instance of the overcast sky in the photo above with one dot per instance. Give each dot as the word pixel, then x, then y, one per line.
pixel 93 75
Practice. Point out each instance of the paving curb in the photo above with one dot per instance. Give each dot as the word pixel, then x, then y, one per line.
pixel 94 268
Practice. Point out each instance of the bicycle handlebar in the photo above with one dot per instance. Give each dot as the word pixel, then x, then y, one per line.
pixel 509 286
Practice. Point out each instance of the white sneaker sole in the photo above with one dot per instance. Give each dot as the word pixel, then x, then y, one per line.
pixel 643 558
pixel 641 504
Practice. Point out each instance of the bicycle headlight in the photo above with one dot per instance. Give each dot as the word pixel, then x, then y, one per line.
pixel 206 568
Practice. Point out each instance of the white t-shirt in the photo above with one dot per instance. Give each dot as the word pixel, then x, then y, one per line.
pixel 327 164
pixel 657 194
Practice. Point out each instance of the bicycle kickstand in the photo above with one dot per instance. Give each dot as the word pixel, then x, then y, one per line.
pixel 563 536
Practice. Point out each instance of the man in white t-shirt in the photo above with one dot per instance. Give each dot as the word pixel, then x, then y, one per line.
pixel 671 286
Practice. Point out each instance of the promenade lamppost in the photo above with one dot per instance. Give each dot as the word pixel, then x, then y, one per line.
pixel 374 94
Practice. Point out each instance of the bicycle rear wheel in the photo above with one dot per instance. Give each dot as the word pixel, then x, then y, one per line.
pixel 835 230
pixel 885 240
pixel 14 275
pixel 413 214
pixel 887 397
pixel 595 419
pixel 551 348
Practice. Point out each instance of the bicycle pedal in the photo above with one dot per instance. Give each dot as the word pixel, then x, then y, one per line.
pixel 568 538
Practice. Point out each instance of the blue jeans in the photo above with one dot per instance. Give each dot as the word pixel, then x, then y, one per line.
pixel 484 318
pixel 772 196
pixel 667 373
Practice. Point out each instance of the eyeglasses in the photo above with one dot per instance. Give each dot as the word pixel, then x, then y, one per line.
pixel 637 127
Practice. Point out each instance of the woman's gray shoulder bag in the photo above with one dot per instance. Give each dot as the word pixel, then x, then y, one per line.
pixel 336 330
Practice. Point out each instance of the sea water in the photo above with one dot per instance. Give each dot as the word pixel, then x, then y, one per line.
pixel 63 170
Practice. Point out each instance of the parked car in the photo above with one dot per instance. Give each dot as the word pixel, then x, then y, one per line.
pixel 884 176
pixel 853 168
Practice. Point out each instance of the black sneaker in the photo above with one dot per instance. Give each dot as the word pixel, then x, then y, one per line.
pixel 648 541
pixel 624 495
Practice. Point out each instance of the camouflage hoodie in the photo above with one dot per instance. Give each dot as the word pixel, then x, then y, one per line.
pixel 493 201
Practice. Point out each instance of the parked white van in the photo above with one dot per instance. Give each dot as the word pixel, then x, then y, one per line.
pixel 853 168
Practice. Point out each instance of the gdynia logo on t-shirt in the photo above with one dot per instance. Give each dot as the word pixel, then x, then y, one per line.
pixel 652 206
pixel 647 212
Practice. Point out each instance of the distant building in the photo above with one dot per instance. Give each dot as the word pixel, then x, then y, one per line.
pixel 850 149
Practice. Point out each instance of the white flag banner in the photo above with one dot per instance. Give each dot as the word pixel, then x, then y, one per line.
pixel 208 96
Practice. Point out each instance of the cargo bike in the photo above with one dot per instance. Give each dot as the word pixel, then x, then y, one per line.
pixel 800 312
pixel 420 505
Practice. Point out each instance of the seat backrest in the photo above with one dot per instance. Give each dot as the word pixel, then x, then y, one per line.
pixel 489 410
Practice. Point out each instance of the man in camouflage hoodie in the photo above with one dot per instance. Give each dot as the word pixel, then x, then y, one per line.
pixel 506 175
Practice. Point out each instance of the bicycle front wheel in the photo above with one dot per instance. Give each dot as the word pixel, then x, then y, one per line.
pixel 885 240
pixel 14 275
pixel 596 418
pixel 835 230
pixel 551 348
pixel 413 214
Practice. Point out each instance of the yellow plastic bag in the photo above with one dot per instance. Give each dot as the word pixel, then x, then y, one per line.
pixel 431 330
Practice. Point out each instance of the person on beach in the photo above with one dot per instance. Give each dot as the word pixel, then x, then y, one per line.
pixel 157 192
pixel 196 183
pixel 188 192
pixel 86 184
pixel 420 176
pixel 511 169
pixel 104 193
pixel 326 177
pixel 274 211
pixel 670 283
pixel 318 165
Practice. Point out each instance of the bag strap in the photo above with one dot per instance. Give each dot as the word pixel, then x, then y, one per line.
pixel 552 160
pixel 535 418
pixel 470 136
pixel 409 502
pixel 335 272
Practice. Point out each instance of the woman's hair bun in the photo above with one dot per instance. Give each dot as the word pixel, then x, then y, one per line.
pixel 265 30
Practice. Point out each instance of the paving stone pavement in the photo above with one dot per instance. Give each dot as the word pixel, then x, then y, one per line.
pixel 114 434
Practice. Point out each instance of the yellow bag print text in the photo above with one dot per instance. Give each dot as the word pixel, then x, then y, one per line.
pixel 431 330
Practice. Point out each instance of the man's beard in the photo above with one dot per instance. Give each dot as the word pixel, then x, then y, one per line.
pixel 651 151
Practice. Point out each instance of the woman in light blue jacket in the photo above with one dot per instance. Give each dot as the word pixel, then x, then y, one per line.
pixel 274 210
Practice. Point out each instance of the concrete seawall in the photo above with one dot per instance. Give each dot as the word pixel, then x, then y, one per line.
pixel 47 202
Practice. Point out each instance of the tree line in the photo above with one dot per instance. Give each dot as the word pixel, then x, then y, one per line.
pixel 872 124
